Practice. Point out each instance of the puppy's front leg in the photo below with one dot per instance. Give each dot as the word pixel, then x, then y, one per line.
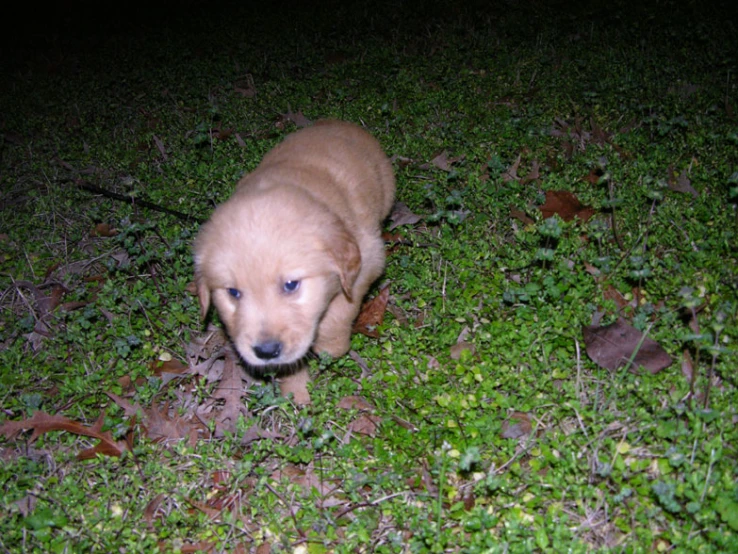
pixel 296 384
pixel 334 332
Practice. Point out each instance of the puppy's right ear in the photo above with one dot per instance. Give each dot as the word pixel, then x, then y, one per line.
pixel 203 293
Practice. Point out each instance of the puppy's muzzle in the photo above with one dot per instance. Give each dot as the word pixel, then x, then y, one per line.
pixel 268 350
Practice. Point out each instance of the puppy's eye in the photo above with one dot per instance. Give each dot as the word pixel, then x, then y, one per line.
pixel 291 286
pixel 235 293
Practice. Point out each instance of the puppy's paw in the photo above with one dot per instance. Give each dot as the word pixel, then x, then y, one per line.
pixel 296 385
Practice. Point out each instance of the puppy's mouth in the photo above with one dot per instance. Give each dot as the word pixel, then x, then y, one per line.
pixel 271 357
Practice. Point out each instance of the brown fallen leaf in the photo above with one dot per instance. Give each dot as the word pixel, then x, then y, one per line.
pixel 564 204
pixel 401 215
pixel 688 366
pixel 245 86
pixel 222 134
pixel 681 183
pixel 152 508
pixel 365 425
pixel 516 426
pixel 443 162
pixel 511 173
pixel 612 346
pixel 227 397
pixel 103 230
pixel 161 426
pixel 355 403
pixel 172 366
pixel 160 146
pixel 520 215
pixel 611 293
pixel 372 314
pixel 594 176
pixel 460 347
pixel 297 118
pixel 534 175
pixel 42 423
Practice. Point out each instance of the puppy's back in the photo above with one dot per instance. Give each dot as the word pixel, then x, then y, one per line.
pixel 339 163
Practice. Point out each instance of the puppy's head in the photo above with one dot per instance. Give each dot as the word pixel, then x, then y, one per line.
pixel 271 262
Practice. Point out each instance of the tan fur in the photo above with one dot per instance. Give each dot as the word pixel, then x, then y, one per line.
pixel 310 212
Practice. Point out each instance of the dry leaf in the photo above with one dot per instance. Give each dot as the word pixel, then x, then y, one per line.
pixel 612 346
pixel 535 174
pixel 521 216
pixel 460 347
pixel 365 425
pixel 372 314
pixel 103 230
pixel 441 161
pixel 687 366
pixel 511 173
pixel 42 422
pixel 401 215
pixel 681 183
pixel 160 147
pixel 516 426
pixel 594 176
pixel 245 86
pixel 564 204
pixel 355 403
pixel 298 118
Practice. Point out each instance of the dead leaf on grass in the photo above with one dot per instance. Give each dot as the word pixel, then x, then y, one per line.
pixel 511 173
pixel 611 293
pixel 225 404
pixel 161 148
pixel 460 347
pixel 534 175
pixel 355 403
pixel 366 424
pixel 516 426
pixel 172 366
pixel 681 183
pixel 26 505
pixel 256 433
pixel 297 118
pixel 372 314
pixel 612 346
pixel 594 176
pixel 687 366
pixel 564 204
pixel 103 230
pixel 401 215
pixel 521 216
pixel 443 162
pixel 42 423
pixel 245 86
pixel 401 161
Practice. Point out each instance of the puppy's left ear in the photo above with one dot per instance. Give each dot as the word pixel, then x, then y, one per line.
pixel 345 252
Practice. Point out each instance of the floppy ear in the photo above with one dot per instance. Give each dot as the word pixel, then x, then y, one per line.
pixel 347 256
pixel 203 292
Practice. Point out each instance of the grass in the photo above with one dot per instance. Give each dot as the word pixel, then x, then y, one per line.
pixel 482 425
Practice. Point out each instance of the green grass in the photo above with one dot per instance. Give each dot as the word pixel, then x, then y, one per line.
pixel 611 461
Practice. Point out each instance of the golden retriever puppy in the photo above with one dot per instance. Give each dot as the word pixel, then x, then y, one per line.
pixel 289 257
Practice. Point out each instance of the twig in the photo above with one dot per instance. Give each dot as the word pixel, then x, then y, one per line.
pixel 89 187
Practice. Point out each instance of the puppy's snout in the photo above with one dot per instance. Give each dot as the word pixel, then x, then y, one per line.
pixel 268 350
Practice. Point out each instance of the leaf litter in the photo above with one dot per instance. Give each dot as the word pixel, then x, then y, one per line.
pixel 620 344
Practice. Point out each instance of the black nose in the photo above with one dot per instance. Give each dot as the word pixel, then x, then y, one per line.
pixel 268 350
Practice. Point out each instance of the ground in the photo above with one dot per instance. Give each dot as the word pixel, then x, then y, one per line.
pixel 548 363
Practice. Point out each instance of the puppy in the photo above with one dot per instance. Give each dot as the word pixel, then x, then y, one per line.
pixel 289 257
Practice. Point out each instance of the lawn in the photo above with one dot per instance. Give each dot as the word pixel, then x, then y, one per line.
pixel 547 365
